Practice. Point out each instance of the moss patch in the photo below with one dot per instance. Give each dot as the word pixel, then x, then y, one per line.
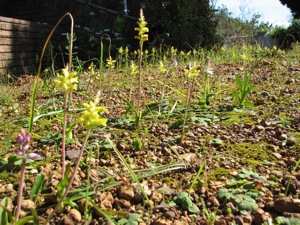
pixel 233 117
pixel 251 154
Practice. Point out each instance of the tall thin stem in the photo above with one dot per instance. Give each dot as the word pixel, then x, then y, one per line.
pixel 21 185
pixel 71 179
pixel 63 148
pixel 140 78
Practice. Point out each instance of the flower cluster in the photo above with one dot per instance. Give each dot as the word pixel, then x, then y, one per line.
pixel 23 140
pixel 133 69
pixel 142 29
pixel 110 63
pixel 161 68
pixel 67 81
pixel 90 116
pixel 191 71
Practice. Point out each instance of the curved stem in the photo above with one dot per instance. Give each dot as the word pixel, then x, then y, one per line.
pixel 40 66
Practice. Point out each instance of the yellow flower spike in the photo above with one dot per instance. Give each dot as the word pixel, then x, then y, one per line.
pixel 90 116
pixel 161 68
pixel 67 81
pixel 133 69
pixel 110 63
pixel 173 51
pixel 121 50
pixel 192 71
pixel 142 29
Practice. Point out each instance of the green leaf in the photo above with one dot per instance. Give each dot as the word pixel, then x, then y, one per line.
pixel 3 212
pixel 63 183
pixel 122 221
pixel 239 82
pixel 133 217
pixel 37 186
pixel 216 142
pixel 24 220
pixel 193 208
pixel 248 206
pixel 287 221
pixel 248 103
pixel 236 95
pixel 231 183
pixel 222 194
pixel 248 185
pixel 182 195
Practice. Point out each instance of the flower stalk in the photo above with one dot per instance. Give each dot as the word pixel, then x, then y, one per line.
pixel 142 37
pixel 23 140
pixel 89 118
pixel 68 82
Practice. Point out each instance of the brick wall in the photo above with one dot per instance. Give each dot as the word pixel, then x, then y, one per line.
pixel 20 45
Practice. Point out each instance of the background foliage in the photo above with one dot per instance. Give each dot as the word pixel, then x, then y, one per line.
pixel 183 24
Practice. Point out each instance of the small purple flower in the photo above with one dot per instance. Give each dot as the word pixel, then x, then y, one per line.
pixel 23 140
pixel 18 151
pixel 33 155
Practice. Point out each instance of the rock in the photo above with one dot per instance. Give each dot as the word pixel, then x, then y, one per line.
pixel 170 214
pixel 259 101
pixel 126 192
pixel 220 220
pixel 149 203
pixel 277 173
pixel 105 204
pixel 270 205
pixel 106 196
pixel 294 184
pixel 67 220
pixel 162 222
pixel 10 189
pixel 122 203
pixel 178 222
pixel 229 208
pixel 33 171
pixel 259 128
pixel 277 155
pixel 213 201
pixel 188 157
pixel 297 175
pixel 28 205
pixel 287 204
pixel 291 141
pixel 260 216
pixel 166 190
pixel 107 200
pixel 75 215
pixel 156 197
pixel 295 215
pixel 244 220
